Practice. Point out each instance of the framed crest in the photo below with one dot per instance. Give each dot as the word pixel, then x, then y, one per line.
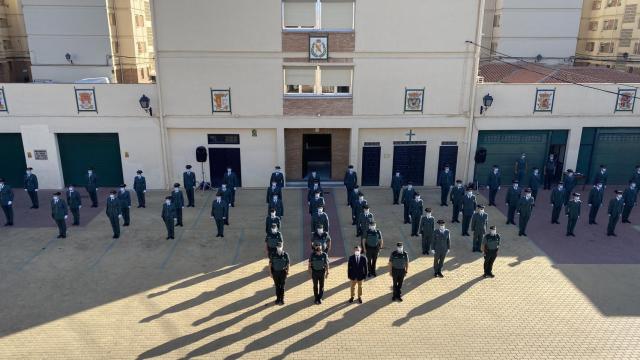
pixel 86 100
pixel 3 101
pixel 318 47
pixel 626 100
pixel 413 100
pixel 544 100
pixel 221 101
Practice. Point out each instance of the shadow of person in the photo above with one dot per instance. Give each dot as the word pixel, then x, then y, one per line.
pixel 196 280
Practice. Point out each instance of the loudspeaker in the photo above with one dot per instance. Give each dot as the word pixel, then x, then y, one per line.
pixel 481 156
pixel 201 154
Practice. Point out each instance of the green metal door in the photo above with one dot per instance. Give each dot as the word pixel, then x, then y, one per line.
pixel 12 161
pixel 619 150
pixel 78 152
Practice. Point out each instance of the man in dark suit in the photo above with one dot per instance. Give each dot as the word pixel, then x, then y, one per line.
pixel 469 205
pixel 92 187
pixel 602 176
pixel 630 198
pixel 457 198
pixel 534 182
pixel 550 171
pixel 277 177
pixel 276 204
pixel 406 199
pixel 396 185
pixel 231 179
pixel 274 190
pixel 357 272
pixel 6 201
pixel 445 181
pixel 350 181
pixel 125 203
pixel 311 193
pixel 59 214
pixel 177 199
pixel 140 187
pixel 219 211
pixel 75 203
pixel 616 206
pixel 557 201
pixel 511 200
pixel 31 187
pixel 189 181
pixel 596 196
pixel 312 179
pixel 169 217
pixel 569 183
pixel 493 183
pixel 114 213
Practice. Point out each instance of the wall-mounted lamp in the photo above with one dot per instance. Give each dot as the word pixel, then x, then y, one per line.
pixel 67 56
pixel 144 104
pixel 487 101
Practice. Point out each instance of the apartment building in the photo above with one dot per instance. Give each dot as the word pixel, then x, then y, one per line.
pixel 14 52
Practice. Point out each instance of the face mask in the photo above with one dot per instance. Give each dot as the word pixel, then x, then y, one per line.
pixel 618 197
pixel 320 211
pixel 536 172
pixel 599 187
pixel 515 186
pixel 168 202
pixel 356 253
pixel 90 172
pixel 275 199
pixel 633 186
pixel 459 185
pixel 441 227
pixel 397 174
pixel 410 187
pixel 188 170
pixel 29 172
pixel 70 189
pixel 112 196
pixel 399 248
pixel 55 198
pixel 218 198
pixel 469 193
pixel 273 231
pixel 121 189
pixel 280 250
pixel 528 196
pixel 350 170
pixel 176 189
pixel 576 199
pixel 317 196
pixel 604 170
pixel 361 198
pixel 493 232
pixel 320 231
pixel 428 214
pixel 229 171
pixel 560 187
pixel 522 157
pixel 273 185
pixel 273 214
pixel 495 171
pixel 481 211
pixel 446 170
pixel 224 188
pixel 372 228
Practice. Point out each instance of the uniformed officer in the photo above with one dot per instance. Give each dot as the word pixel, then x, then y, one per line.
pixel 59 214
pixel 512 199
pixel 396 185
pixel 75 204
pixel 469 205
pixel 311 179
pixel 114 213
pixel 177 199
pixel 272 218
pixel 550 167
pixel 231 179
pixel 321 236
pixel 415 212
pixel 479 227
pixel 189 181
pixel 357 207
pixel 6 201
pixel 440 248
pixel 125 203
pixel 320 217
pixel 525 208
pixel 445 180
pixel 92 187
pixel 457 198
pixel 277 177
pixel 635 177
pixel 169 217
pixel 596 195
pixel 276 203
pixel 534 182
pixel 226 197
pixel 357 272
pixel 364 219
pixel 616 206
pixel 406 199
pixel 140 187
pixel 557 200
pixel 569 183
pixel 398 269
pixel 319 271
pixel 350 181
pixel 489 247
pixel 272 240
pixel 315 201
pixel 630 198
pixel 219 212
pixel 311 193
pixel 279 269
pixel 373 242
pixel 427 226
pixel 601 176
pixel 493 184
pixel 520 168
pixel 572 211
pixel 274 189
pixel 31 187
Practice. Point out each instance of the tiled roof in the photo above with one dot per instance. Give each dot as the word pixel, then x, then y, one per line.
pixel 525 73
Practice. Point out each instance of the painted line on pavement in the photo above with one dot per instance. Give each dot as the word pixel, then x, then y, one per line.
pixel 38 253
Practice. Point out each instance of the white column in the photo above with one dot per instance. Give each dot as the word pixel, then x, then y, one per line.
pixel 49 172
pixel 353 147
pixel 469 157
pixel 280 153
pixel 573 147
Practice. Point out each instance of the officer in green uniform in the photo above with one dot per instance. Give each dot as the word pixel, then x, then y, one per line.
pixel 479 227
pixel 320 218
pixel 557 200
pixel 177 199
pixel 398 269
pixel 272 218
pixel 231 179
pixel 169 217
pixel 457 197
pixel 75 204
pixel 92 187
pixel 6 201
pixel 596 195
pixel 427 225
pixel 31 187
pixel 125 203
pixel 350 182
pixel 535 179
pixel 357 207
pixel 406 198
pixel 319 271
pixel 469 205
pixel 602 176
pixel 272 240
pixel 572 211
pixel 493 183
pixel 219 212
pixel 396 185
pixel 616 206
pixel 140 187
pixel 279 269
pixel 189 181
pixel 59 214
pixel 445 181
pixel 525 208
pixel 512 199
pixel 440 248
pixel 322 237
pixel 569 183
pixel 364 219
pixel 114 213
pixel 489 247
pixel 630 198
pixel 373 242
pixel 415 212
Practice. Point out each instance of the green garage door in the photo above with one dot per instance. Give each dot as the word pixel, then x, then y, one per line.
pixel 78 152
pixel 12 161
pixel 617 148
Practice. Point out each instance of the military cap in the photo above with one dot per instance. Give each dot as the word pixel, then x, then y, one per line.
pixel 113 192
pixel 469 187
pixel 274 225
pixel 167 197
pixel 176 185
pixel 372 223
pixel 71 185
pixel 569 171
pixel 427 209
pixel 618 192
pixel 492 227
pixel 279 244
pixel 515 181
pixel 446 165
pixel 317 243
pixel 480 206
pixel 272 210
pixel 123 185
pixel 603 166
pixel 278 167
pixel 576 194
pixel 320 226
pixel 535 168
pixel 410 183
pixel 188 166
pixel 440 222
pixel 29 168
pixel 139 172
pixel 317 191
pixel 219 193
pixel 356 186
pixel 459 181
pixel 399 243
pixel 495 166
pixel 57 193
pixel 561 183
pixel 527 190
pixel 350 166
pixel 416 194
pixel 365 206
pixel 90 168
pixel 598 183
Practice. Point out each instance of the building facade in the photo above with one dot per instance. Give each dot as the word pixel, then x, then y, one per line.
pixel 14 52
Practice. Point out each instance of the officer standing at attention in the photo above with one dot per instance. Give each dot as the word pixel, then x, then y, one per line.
pixel 572 211
pixel 446 183
pixel 427 225
pixel 364 219
pixel 277 177
pixel 557 200
pixel 534 182
pixel 469 205
pixel 350 181
pixel 231 179
pixel 357 272
pixel 276 203
pixel 440 248
pixel 373 242
pixel 319 271
pixel 602 176
pixel 226 197
pixel 512 199
pixel 272 218
pixel 140 187
pixel 596 196
pixel 274 190
pixel 59 214
pixel 114 213
pixel 358 208
pixel 353 199
pixel 272 240
pixel 189 181
pixel 6 201
pixel 479 227
pixel 169 217
pixel 569 183
pixel 398 269
pixel 520 168
pixel 320 217
pixel 75 203
pixel 92 187
pixel 616 206
pixel 311 179
pixel 125 203
pixel 489 247
pixel 315 201
pixel 219 211
pixel 635 177
pixel 457 198
pixel 525 208
pixel 493 184
pixel 396 185
pixel 311 193
pixel 630 198
pixel 406 199
pixel 279 269
pixel 178 202
pixel 31 187
pixel 415 211
pixel 550 171
pixel 322 237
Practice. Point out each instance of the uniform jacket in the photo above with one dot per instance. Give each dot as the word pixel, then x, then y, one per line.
pixel 370 236
pixel 359 206
pixel 231 180
pixel 220 209
pixel 353 197
pixel 635 177
pixel 277 205
pixel 550 166
pixel 226 195
pixel 323 239
pixel 139 183
pixel 314 204
pixel 6 195
pixel 125 199
pixel 521 166
pixel 525 206
pixel 73 199
pixel 441 241
pixel 457 194
pixel 357 270
pixel 401 256
pixel 312 192
pixel 469 205
pixel 189 179
pixel 573 209
pixel 276 220
pixel 445 179
pixel 407 195
pixel 595 196
pixel 177 199
pixel 601 178
pixel 535 181
pixel 30 182
pixel 58 210
pixel 350 179
pixel 427 224
pixel 557 196
pixel 278 178
pixel 113 207
pixel 320 219
pixel 92 182
pixel 397 182
pixel 491 242
pixel 479 223
pixel 494 180
pixel 630 197
pixel 273 191
pixel 311 180
pixel 364 220
pixel 272 239
pixel 569 182
pixel 415 208
pixel 513 196
pixel 615 207
pixel 168 212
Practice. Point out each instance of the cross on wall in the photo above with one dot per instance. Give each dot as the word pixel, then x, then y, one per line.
pixel 410 134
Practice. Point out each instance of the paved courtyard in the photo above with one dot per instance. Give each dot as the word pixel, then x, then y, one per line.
pixel 92 297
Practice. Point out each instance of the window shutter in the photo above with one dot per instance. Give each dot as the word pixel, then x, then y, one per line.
pixel 299 13
pixel 300 76
pixel 337 76
pixel 337 14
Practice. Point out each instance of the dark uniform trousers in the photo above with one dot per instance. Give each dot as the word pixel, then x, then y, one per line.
pixel 170 224
pixel 489 258
pixel 115 224
pixel 438 261
pixel 444 194
pixel 511 213
pixel 372 258
pixel 407 220
pixel 8 213
pixel 613 221
pixel 62 227
pixel 477 240
pixel 396 196
pixel 427 237
pixel 33 195
pixel 179 215
pixel 93 195
pixel 523 220
pixel 125 215
pixel 457 207
pixel 317 276
pixel 466 220
pixel 279 278
pixel 593 212
pixel 220 226
pixel 555 213
pixel 492 196
pixel 626 211
pixel 398 278
pixel 190 190
pixel 75 212
pixel 141 198
pixel 571 224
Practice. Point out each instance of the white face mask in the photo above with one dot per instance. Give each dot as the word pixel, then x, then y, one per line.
pixel 70 189
pixel 576 198
pixel 469 193
pixel 495 171
pixel 228 171
pixel 535 172
pixel 28 172
pixel 428 214
pixel 633 186
pixel 446 170
pixel 273 185
pixel 112 196
pixel 560 187
pixel 273 231
pixel 515 186
pixel 313 174
pixel 317 196
pixel 409 187
pixel 320 231
pixel 418 198
pixel 399 248
pixel 372 228
pixel 397 174
pixel 441 227
pixel 320 211
pixel 224 188
pixel 90 172
pixel 168 202
pixel 356 253
pixel 188 170
pixel 481 211
pixel 273 214
pixel 275 199
pixel 121 189
pixel 458 185
pixel 366 211
pixel 599 186
pixel 493 232
pixel 618 197
pixel 604 171
pixel 350 170
pixel 528 196
pixel 218 198
pixel 361 198
pixel 176 189
pixel 55 198
pixel 279 250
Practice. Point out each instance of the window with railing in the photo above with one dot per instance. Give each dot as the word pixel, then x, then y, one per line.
pixel 317 80
pixel 607 47
pixel 611 24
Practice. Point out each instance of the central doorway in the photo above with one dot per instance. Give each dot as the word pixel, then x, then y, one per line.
pixel 316 155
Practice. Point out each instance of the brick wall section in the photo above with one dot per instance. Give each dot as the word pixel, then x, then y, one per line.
pixel 339 151
pixel 299 42
pixel 314 106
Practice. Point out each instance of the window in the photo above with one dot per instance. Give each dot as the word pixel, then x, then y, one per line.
pixel 596 4
pixel 299 14
pixel 336 14
pixel 300 80
pixel 593 25
pixel 611 24
pixel 147 10
pixel 496 20
pixel 625 37
pixel 606 47
pixel 150 36
pixel 139 21
pixel 335 80
pixel 112 19
pixel 318 14
pixel 589 46
pixel 636 48
pixel 7 44
pixel 142 47
pixel 630 14
pixel 612 3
